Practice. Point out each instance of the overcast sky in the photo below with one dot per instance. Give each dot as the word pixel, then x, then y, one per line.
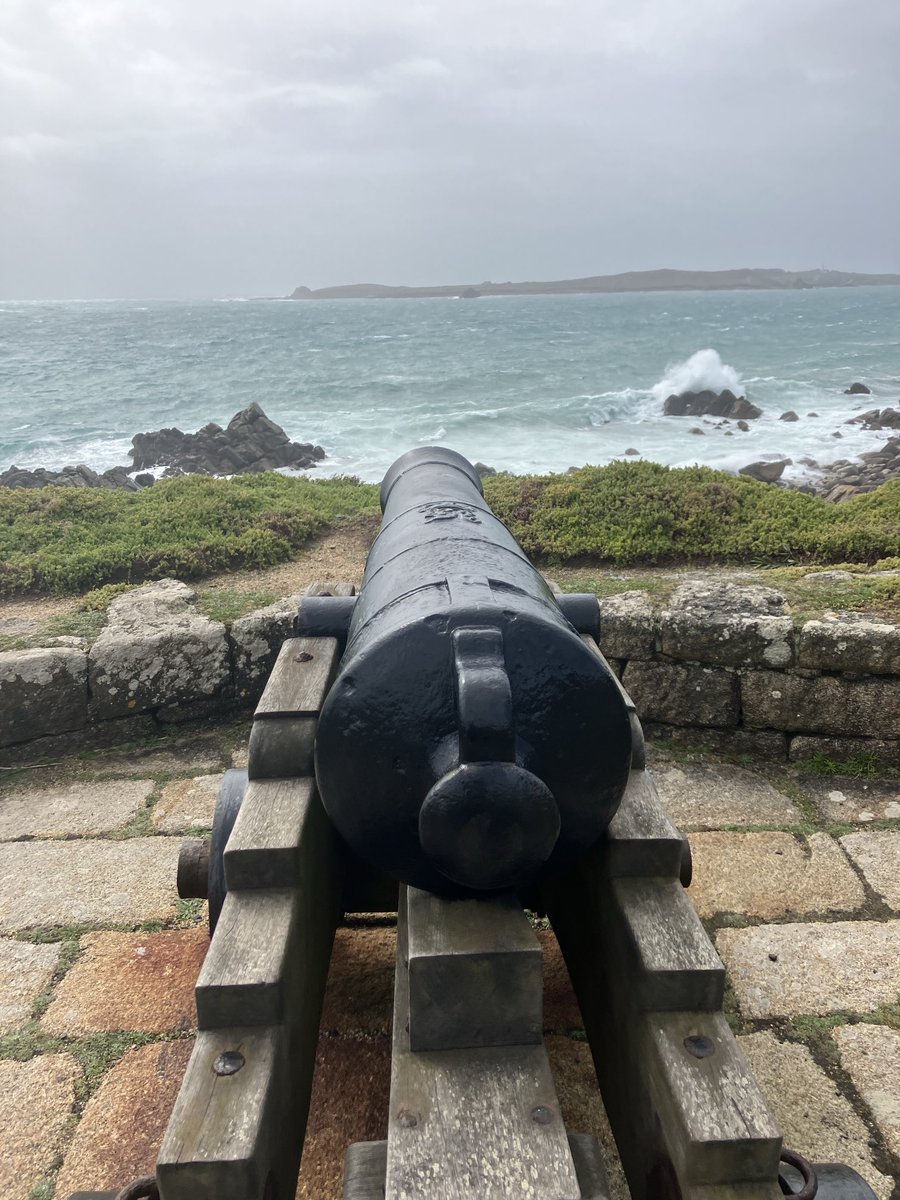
pixel 217 148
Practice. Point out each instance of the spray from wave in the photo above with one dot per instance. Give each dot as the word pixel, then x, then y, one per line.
pixel 703 371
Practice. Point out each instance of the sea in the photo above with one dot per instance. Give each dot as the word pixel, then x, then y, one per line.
pixel 522 384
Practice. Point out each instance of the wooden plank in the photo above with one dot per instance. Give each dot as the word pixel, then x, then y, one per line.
pixel 219 1144
pixel 472 1123
pixel 589 1166
pixel 300 678
pixel 475 973
pixel 221 1139
pixel 245 973
pixel 672 963
pixel 365 1167
pixel 264 848
pixel 637 1092
pixel 713 1115
pixel 640 839
pixel 283 748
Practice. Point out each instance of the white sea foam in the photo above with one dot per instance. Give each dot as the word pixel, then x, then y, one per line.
pixel 703 371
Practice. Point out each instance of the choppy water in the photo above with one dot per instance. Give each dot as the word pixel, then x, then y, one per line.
pixel 522 383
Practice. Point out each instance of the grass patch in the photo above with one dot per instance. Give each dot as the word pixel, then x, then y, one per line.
pixel 631 513
pixel 859 766
pixel 67 540
pixel 226 605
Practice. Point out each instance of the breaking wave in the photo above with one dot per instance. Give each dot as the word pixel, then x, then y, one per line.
pixel 701 372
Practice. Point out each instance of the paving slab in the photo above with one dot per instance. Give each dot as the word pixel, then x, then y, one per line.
pixel 350 1093
pixel 186 804
pixel 118 1137
pixel 196 754
pixel 581 1105
pixel 71 809
pixel 25 971
pixel 870 1054
pixel 815 1119
pixel 35 1102
pixel 826 967
pixel 696 795
pixel 770 875
pixel 124 981
pixel 877 854
pixel 858 800
pixel 91 882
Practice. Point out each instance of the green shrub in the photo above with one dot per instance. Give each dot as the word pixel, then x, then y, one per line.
pixel 70 539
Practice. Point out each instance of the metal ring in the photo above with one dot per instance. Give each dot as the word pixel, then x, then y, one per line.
pixel 810 1181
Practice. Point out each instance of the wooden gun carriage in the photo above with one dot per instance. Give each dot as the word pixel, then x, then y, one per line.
pixel 451 746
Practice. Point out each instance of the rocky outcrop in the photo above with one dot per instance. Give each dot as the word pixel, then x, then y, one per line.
pixel 844 479
pixel 712 404
pixel 790 415
pixel 156 649
pixel 79 476
pixel 857 389
pixel 878 418
pixel 766 472
pixel 250 442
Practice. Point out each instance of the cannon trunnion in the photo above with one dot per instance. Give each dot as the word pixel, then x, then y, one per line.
pixel 471 741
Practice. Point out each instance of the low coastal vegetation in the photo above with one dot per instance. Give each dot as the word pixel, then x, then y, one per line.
pixel 69 540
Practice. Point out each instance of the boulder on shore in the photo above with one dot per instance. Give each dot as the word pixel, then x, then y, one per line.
pixel 857 389
pixel 766 472
pixel 712 404
pixel 251 442
pixel 790 415
pixel 78 476
pixel 878 418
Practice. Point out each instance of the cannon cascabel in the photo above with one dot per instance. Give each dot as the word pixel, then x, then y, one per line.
pixel 471 740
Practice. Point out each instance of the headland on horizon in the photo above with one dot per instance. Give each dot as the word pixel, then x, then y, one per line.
pixel 664 280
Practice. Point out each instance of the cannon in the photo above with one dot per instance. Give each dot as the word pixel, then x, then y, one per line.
pixel 451 746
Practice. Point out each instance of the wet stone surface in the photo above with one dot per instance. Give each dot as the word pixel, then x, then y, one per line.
pixel 771 875
pixel 815 1119
pixel 121 1129
pixel 186 804
pixel 141 981
pixel 92 882
pixel 36 1100
pixel 817 968
pixel 696 795
pixel 79 809
pixel 871 1056
pixel 25 971
pixel 840 798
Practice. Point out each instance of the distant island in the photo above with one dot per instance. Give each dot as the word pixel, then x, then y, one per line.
pixel 629 281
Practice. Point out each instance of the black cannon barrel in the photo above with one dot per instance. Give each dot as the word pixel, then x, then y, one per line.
pixel 471 740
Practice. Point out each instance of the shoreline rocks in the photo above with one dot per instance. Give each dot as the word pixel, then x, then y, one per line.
pixel 250 443
pixel 712 404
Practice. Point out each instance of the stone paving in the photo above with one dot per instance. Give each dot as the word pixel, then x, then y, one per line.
pixel 797 878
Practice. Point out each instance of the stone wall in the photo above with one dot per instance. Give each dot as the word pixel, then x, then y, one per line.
pixel 719 664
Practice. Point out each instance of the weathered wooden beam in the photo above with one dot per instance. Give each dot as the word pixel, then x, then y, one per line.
pixel 472 1123
pixel 300 678
pixel 475 973
pixel 641 839
pixel 248 968
pixel 655 1091
pixel 365 1166
pixel 264 848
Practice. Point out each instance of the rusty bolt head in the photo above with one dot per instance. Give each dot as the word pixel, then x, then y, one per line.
pixel 303 656
pixel 699 1045
pixel 541 1114
pixel 407 1119
pixel 229 1062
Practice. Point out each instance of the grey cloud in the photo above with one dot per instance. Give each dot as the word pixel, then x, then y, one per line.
pixel 231 148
